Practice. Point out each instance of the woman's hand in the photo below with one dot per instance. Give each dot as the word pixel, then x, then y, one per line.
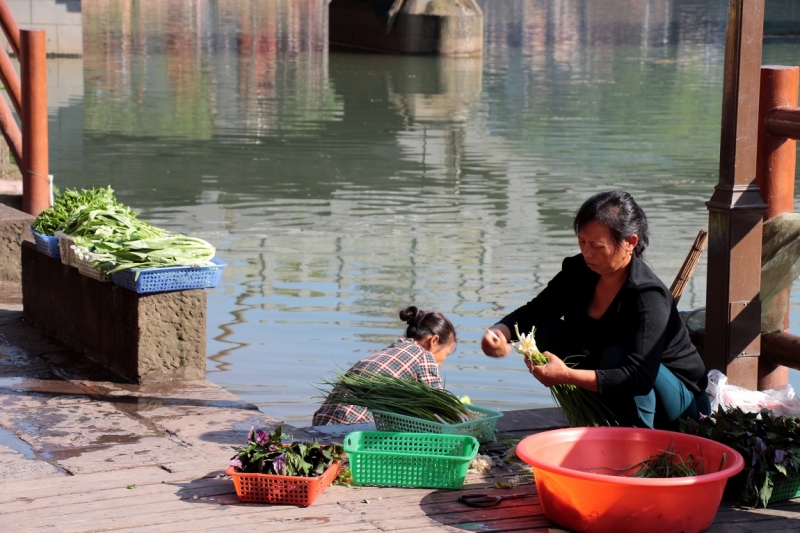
pixel 495 341
pixel 555 372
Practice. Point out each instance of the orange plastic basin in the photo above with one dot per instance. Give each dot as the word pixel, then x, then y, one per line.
pixel 574 493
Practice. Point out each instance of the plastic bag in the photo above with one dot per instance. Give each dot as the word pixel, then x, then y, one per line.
pixel 782 401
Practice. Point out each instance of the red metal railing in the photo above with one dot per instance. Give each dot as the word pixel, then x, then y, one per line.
pixel 29 98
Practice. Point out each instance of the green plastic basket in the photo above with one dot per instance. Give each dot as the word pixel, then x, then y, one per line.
pixel 482 429
pixel 389 459
pixel 784 488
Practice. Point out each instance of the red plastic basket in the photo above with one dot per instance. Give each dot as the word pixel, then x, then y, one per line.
pixel 287 490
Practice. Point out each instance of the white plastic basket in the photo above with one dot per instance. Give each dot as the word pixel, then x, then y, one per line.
pixel 84 261
pixel 65 243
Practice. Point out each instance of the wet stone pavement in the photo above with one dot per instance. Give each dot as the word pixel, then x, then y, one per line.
pixel 80 452
pixel 59 412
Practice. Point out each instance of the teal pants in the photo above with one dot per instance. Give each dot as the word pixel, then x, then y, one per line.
pixel 667 402
pixel 662 408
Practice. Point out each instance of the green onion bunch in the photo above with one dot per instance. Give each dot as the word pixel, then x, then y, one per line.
pixel 407 397
pixel 581 407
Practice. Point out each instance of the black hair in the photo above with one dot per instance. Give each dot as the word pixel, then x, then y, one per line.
pixel 618 211
pixel 423 323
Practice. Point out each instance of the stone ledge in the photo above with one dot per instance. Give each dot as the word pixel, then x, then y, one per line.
pixel 13 231
pixel 139 337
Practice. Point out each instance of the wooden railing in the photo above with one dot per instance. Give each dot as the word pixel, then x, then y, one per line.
pixel 29 98
pixel 778 131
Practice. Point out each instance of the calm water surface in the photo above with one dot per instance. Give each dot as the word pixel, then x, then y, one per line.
pixel 341 187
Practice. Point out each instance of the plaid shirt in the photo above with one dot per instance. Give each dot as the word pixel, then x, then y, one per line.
pixel 403 359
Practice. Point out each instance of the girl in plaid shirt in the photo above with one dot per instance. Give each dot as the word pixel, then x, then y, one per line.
pixel 430 337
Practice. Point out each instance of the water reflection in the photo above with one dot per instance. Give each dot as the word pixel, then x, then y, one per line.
pixel 341 187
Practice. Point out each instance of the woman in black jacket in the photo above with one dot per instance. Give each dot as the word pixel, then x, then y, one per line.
pixel 607 307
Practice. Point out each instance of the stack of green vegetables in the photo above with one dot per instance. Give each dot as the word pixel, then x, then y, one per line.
pixel 581 407
pixel 56 217
pixel 407 397
pixel 113 236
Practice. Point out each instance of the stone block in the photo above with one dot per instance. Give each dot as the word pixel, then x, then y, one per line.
pixel 53 12
pixel 140 337
pixel 422 27
pixel 13 231
pixel 61 20
pixel 70 40
pixel 21 9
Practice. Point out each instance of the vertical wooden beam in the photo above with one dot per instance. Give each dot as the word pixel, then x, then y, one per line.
pixel 733 310
pixel 35 164
pixel 775 178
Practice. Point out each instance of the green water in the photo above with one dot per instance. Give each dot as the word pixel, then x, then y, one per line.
pixel 340 187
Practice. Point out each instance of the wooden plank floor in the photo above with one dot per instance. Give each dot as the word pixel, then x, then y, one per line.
pixel 81 454
pixel 196 496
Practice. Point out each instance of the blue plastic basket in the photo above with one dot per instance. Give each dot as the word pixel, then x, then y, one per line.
pixel 170 278
pixel 46 244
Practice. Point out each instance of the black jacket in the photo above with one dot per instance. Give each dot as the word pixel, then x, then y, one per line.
pixel 642 318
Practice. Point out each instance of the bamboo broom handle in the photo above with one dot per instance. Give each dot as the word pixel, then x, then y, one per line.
pixel 689 264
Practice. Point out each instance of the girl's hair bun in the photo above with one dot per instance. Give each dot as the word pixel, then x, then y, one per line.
pixel 423 323
pixel 410 315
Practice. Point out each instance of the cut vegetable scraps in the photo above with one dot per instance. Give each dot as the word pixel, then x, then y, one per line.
pixel 667 464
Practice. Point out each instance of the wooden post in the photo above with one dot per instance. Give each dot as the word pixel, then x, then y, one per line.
pixel 733 310
pixel 35 165
pixel 775 174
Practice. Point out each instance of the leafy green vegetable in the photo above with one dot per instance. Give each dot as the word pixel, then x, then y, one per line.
pixel 158 252
pixel 769 444
pixel 106 223
pixel 114 238
pixel 56 217
pixel 266 454
pixel 408 397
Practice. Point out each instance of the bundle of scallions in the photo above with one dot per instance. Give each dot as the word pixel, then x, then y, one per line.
pixel 580 406
pixel 407 397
